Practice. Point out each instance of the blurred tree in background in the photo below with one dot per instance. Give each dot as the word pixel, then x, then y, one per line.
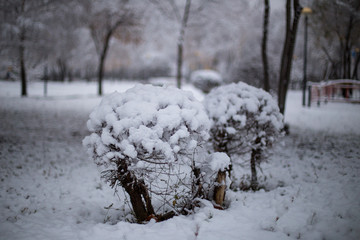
pixel 25 34
pixel 107 19
pixel 293 13
pixel 336 25
pixel 83 39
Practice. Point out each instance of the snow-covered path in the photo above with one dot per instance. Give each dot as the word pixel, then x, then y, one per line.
pixel 49 189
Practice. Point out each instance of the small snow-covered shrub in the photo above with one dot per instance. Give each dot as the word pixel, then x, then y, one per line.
pixel 205 80
pixel 245 121
pixel 145 140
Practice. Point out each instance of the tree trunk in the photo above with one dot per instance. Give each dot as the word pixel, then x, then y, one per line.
pixel 102 60
pixel 347 49
pixel 45 78
pixel 100 74
pixel 219 190
pixel 137 204
pixel 179 64
pixel 356 65
pixel 288 51
pixel 22 55
pixel 305 61
pixel 325 74
pixel 62 69
pixel 180 43
pixel 346 61
pixel 263 48
pixel 255 155
pixel 22 66
pixel 196 187
pixel 140 200
pixel 139 196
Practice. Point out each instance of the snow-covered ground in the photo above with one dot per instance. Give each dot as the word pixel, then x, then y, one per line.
pixel 49 189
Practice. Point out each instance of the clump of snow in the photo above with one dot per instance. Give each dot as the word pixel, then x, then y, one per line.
pixel 213 164
pixel 154 131
pixel 219 161
pixel 206 79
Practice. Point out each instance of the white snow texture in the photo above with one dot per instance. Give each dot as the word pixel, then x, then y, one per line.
pixel 219 161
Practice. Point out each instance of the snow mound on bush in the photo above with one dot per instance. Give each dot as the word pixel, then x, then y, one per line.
pixel 155 130
pixel 206 79
pixel 146 118
pixel 219 161
pixel 244 117
pixel 236 102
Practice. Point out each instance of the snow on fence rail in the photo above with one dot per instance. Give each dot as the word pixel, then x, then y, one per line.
pixel 344 90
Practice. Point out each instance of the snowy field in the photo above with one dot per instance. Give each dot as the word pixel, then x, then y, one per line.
pixel 49 189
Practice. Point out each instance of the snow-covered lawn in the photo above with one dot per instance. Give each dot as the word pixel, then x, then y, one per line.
pixel 49 189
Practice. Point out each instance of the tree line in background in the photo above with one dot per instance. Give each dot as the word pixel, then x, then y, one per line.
pixel 336 30
pixel 243 40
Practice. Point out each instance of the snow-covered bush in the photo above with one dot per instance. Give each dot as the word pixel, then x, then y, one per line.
pixel 245 120
pixel 146 141
pixel 205 80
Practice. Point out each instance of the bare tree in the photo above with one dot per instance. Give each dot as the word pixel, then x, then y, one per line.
pixel 336 24
pixel 263 45
pixel 174 10
pixel 64 38
pixel 107 22
pixel 32 32
pixel 180 42
pixel 292 23
pixel 21 26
